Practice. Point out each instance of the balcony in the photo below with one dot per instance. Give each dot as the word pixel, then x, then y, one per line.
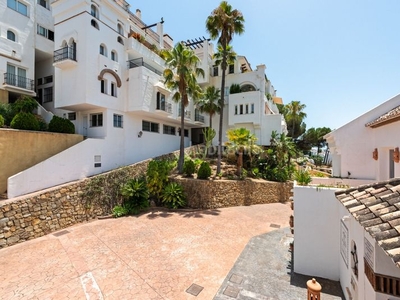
pixel 65 57
pixel 164 107
pixel 188 113
pixel 139 62
pixel 19 82
pixel 198 118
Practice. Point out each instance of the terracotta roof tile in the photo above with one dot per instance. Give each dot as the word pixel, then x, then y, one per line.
pixel 377 208
pixel 391 116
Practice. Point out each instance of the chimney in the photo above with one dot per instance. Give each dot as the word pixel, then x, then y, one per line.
pixel 138 13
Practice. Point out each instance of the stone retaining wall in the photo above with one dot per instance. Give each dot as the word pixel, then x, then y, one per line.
pixel 210 194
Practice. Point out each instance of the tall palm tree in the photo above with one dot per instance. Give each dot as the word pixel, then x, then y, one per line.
pixel 295 115
pixel 180 76
pixel 223 23
pixel 209 103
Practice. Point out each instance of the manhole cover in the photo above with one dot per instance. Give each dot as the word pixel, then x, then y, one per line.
pixel 275 226
pixel 231 291
pixel 194 289
pixel 236 279
pixel 60 233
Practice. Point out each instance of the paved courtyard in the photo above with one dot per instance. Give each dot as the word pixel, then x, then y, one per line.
pixel 157 255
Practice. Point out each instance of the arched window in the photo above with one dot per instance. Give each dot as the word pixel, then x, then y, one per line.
pixel 120 29
pixel 114 55
pixel 94 24
pixel 11 36
pixel 103 50
pixel 120 40
pixel 94 11
pixel 354 258
pixel 247 88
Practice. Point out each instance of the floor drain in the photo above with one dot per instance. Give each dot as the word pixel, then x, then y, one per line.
pixel 236 279
pixel 275 226
pixel 60 233
pixel 231 291
pixel 194 289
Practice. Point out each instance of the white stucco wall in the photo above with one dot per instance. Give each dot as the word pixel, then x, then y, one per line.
pixel 316 234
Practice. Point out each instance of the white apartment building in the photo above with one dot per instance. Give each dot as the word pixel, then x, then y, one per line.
pixel 96 63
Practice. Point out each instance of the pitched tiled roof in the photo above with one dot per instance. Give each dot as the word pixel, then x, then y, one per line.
pixel 377 208
pixel 389 117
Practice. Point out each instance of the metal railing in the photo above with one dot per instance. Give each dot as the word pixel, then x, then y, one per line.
pixel 198 117
pixel 68 52
pixel 164 106
pixel 22 82
pixel 139 62
pixel 188 113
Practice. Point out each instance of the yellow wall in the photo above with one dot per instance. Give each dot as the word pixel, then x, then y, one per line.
pixel 3 96
pixel 21 149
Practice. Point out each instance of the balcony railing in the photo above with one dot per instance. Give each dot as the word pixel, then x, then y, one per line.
pixel 139 62
pixel 198 117
pixel 187 113
pixel 68 52
pixel 165 106
pixel 22 82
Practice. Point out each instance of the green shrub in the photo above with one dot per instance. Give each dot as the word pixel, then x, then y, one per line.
pixel 7 112
pixel 189 167
pixel 25 104
pixel 157 176
pixel 61 125
pixel 136 195
pixel 25 121
pixel 302 177
pixel 1 121
pixel 173 196
pixel 119 211
pixel 42 123
pixel 204 171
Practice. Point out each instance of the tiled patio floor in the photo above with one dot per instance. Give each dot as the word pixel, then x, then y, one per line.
pixel 158 255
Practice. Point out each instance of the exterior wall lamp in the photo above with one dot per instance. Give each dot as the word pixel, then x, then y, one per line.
pixel 396 155
pixel 140 133
pixel 375 154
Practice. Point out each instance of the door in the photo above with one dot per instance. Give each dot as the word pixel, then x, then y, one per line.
pixel 391 164
pixel 85 125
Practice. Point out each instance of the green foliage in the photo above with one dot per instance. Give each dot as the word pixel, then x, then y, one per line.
pixel 25 121
pixel 209 135
pixel 302 176
pixel 1 121
pixel 25 104
pixel 119 211
pixel 173 196
pixel 294 115
pixel 42 123
pixel 255 172
pixel 317 160
pixel 313 137
pixel 61 125
pixel 7 112
pixel 209 102
pixel 204 171
pixel 136 195
pixel 189 167
pixel 157 176
pixel 235 89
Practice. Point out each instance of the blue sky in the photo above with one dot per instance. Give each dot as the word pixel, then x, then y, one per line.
pixel 340 58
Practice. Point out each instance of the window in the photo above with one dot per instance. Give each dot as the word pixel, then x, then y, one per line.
pixel 150 126
pixel 47 33
pixel 39 95
pixel 215 71
pixel 48 79
pixel 118 119
pixel 42 3
pixel 160 101
pixel 236 109
pixel 114 56
pixel 252 108
pixel 94 11
pixel 48 94
pixel 113 89
pixel 72 116
pixel 18 6
pixel 241 109
pixel 119 39
pixel 40 81
pixel 103 86
pixel 103 50
pixel 96 120
pixel 120 29
pixel 231 69
pixel 247 108
pixel 185 132
pixel 94 24
pixel 169 130
pixel 17 77
pixel 11 36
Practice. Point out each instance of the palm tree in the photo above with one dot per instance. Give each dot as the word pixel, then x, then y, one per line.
pixel 223 23
pixel 180 76
pixel 209 103
pixel 295 116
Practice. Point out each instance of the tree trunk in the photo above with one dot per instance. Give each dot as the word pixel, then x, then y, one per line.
pixel 221 114
pixel 182 144
pixel 240 162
